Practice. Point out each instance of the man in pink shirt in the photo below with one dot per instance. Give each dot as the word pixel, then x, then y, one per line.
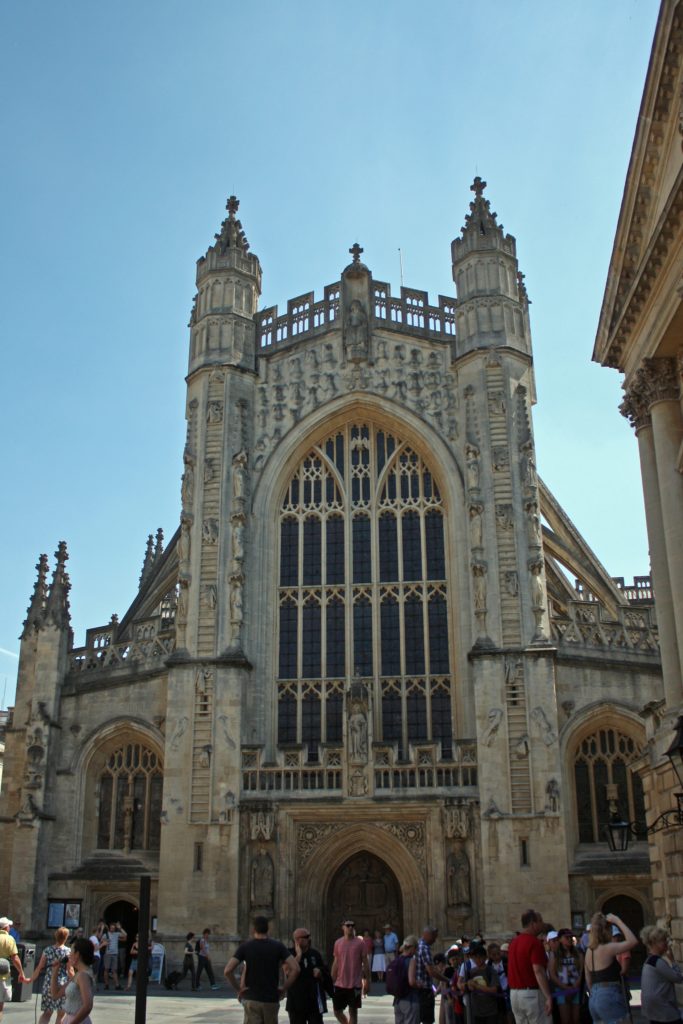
pixel 350 974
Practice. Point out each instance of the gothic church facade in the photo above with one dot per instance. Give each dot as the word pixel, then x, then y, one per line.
pixel 376 671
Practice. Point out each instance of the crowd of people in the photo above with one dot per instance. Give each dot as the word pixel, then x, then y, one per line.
pixel 542 974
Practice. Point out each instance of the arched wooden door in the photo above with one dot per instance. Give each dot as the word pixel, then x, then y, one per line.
pixel 366 890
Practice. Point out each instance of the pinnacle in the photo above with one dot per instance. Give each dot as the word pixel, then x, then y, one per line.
pixel 231 235
pixel 36 608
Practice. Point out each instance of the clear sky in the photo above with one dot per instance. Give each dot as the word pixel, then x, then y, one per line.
pixel 126 125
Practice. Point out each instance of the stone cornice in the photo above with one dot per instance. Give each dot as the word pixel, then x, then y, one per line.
pixel 660 107
pixel 628 308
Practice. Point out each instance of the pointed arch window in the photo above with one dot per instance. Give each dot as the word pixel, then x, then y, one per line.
pixel 602 773
pixel 130 794
pixel 363 593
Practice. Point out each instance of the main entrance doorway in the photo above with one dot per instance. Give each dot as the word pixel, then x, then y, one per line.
pixel 366 890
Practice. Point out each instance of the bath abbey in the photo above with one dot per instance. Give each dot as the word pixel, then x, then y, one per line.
pixel 375 672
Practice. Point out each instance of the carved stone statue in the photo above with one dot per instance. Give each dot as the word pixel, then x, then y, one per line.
pixel 262 880
pixel 548 734
pixel 528 466
pixel 210 531
pixel 187 486
pixel 457 821
pixel 495 717
pixel 356 335
pixel 358 735
pixel 476 531
pixel 214 412
pixel 458 881
pixel 184 543
pixel 479 586
pixel 533 524
pixel 236 608
pixel 552 792
pixel 262 824
pixel 472 464
pixel 239 477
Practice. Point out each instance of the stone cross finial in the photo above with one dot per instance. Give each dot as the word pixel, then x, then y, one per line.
pixel 355 251
pixel 232 205
pixel 477 186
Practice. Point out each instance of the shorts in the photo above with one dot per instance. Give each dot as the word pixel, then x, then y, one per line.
pixel 111 961
pixel 343 997
pixel 567 998
pixel 607 1002
pixel 256 1012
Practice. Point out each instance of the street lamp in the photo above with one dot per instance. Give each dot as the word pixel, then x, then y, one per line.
pixel 618 831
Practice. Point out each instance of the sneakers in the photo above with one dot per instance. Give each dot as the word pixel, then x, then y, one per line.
pixel 214 987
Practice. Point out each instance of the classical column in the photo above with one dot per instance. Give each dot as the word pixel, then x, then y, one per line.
pixel 656 394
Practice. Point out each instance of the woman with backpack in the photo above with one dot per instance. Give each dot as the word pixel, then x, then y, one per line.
pixel 401 983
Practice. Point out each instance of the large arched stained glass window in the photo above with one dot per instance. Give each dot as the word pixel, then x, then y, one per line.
pixel 602 775
pixel 130 793
pixel 363 593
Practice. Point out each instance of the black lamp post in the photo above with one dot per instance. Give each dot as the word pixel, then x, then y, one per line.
pixel 618 831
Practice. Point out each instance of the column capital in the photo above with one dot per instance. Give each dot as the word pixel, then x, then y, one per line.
pixel 657 380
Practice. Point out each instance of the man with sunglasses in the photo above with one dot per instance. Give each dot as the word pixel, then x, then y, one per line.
pixel 350 974
pixel 306 1001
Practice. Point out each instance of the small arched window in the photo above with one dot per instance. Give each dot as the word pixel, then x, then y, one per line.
pixel 602 776
pixel 130 793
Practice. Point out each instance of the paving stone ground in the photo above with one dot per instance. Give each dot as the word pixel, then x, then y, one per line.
pixel 207 1007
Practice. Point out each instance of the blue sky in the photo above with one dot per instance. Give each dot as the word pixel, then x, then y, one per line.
pixel 125 127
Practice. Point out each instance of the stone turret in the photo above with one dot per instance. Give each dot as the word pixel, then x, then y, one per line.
pixel 492 299
pixel 228 288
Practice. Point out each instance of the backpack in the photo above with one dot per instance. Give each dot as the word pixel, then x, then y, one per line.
pixel 396 977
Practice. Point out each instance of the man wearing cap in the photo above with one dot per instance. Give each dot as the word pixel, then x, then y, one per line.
pixel 350 974
pixel 306 1001
pixel 390 944
pixel 529 989
pixel 8 951
pixel 259 987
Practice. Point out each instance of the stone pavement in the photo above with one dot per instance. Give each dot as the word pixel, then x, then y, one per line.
pixel 208 1007
pixel 202 1007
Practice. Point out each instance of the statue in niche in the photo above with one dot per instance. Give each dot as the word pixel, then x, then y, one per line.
pixel 497 403
pixel 458 870
pixel 182 600
pixel 476 524
pixel 522 748
pixel 494 718
pixel 501 458
pixel 239 477
pixel 184 543
pixel 262 880
pixel 536 568
pixel 236 607
pixel 552 792
pixel 358 735
pixel 356 335
pixel 209 596
pixel 479 586
pixel 528 466
pixel 533 524
pixel 187 485
pixel 238 528
pixel 472 464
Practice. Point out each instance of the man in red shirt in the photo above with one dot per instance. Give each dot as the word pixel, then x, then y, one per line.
pixel 350 974
pixel 529 989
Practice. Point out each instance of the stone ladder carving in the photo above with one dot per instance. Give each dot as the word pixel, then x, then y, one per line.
pixel 206 638
pixel 518 735
pixel 503 498
pixel 202 745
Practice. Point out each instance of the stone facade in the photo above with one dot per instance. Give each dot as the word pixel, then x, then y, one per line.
pixel 640 334
pixel 375 664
